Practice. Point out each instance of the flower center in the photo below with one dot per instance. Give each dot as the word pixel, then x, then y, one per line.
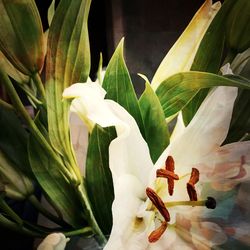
pixel 161 206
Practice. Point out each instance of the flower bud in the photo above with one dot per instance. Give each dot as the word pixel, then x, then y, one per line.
pixel 21 35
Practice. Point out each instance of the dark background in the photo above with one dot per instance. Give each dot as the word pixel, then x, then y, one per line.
pixel 150 28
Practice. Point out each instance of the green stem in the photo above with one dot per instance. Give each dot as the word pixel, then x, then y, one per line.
pixel 8 210
pixel 35 202
pixel 38 82
pixel 83 231
pixel 15 227
pixel 33 128
pixel 90 216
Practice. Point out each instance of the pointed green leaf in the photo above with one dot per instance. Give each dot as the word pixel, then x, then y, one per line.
pixel 210 53
pixel 238 26
pixel 156 130
pixel 98 176
pixel 220 40
pixel 240 123
pixel 175 92
pixel 21 39
pixel 119 87
pixel 68 61
pixel 54 184
pixel 181 56
pixel 209 56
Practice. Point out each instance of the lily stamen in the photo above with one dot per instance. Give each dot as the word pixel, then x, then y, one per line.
pixel 194 178
pixel 169 166
pixel 166 174
pixel 156 234
pixel 210 203
pixel 158 203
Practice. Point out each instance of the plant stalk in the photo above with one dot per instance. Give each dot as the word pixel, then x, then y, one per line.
pixel 33 128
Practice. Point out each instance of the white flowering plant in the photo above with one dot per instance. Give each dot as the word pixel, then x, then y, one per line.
pixel 105 159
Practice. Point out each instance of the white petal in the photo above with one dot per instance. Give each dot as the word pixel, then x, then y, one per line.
pixel 207 234
pixel 181 55
pixel 127 233
pixel 167 241
pixel 129 153
pixel 82 89
pixel 179 127
pixel 79 140
pixel 227 166
pixel 226 69
pixel 205 132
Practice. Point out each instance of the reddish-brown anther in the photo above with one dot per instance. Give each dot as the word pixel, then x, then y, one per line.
pixel 166 174
pixel 194 178
pixel 169 165
pixel 158 203
pixel 156 234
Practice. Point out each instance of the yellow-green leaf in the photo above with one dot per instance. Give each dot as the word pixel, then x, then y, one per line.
pixel 68 61
pixel 176 91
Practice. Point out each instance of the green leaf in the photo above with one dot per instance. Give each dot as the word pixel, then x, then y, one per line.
pixel 21 38
pixel 99 182
pixel 14 139
pixel 209 56
pixel 55 185
pixel 210 53
pixel 119 87
pixel 14 183
pixel 181 56
pixel 68 61
pixel 175 92
pixel 156 130
pixel 238 26
pixel 240 123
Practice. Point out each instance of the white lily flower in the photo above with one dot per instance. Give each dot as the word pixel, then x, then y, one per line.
pixel 151 209
pixel 79 132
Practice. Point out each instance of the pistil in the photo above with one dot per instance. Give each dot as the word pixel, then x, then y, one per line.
pixel 210 203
